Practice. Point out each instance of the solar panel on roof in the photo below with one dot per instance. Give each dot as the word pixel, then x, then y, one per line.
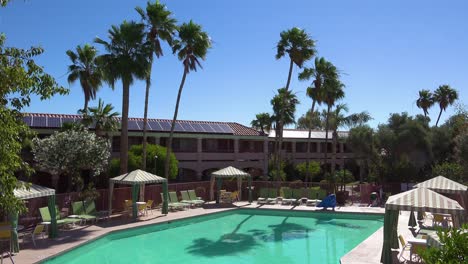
pixel 133 125
pixel 140 124
pixel 178 127
pixel 54 122
pixel 39 121
pixel 154 125
pixel 217 128
pixel 207 128
pixel 187 127
pixel 198 128
pixel 27 120
pixel 226 128
pixel 166 125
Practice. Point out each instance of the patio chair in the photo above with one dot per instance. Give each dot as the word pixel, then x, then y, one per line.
pixel 263 196
pixel 193 196
pixel 142 209
pixel 235 196
pixel 438 220
pixel 78 209
pixel 171 205
pixel 272 195
pixel 312 195
pixel 128 207
pixel 186 197
pixel 149 205
pixel 404 247
pixel 175 200
pixel 38 231
pixel 5 248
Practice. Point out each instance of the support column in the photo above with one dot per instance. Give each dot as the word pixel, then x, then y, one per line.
pixel 293 150
pixel 236 149
pixel 157 140
pixel 199 175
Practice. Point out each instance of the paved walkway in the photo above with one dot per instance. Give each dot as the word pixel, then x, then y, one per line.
pixel 69 239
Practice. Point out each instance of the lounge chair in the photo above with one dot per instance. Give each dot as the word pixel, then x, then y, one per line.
pixel 272 195
pixel 173 198
pixel 404 247
pixel 173 206
pixel 45 215
pixel 287 196
pixel 149 206
pixel 193 196
pixel 78 209
pixel 186 197
pixel 329 201
pixel 90 209
pixel 263 196
pixel 312 196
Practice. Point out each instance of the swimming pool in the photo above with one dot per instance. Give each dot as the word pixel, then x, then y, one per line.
pixel 235 236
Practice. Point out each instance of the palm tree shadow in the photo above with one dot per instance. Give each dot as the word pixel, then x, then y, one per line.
pixel 227 244
pixel 332 221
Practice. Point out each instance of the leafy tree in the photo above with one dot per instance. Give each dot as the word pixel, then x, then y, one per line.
pixel 299 47
pixel 103 118
pixel 155 166
pixel 161 27
pixel 450 170
pixel 192 45
pixel 461 153
pixel 425 101
pixel 454 251
pixel 310 121
pixel 126 60
pixel 70 152
pixel 361 141
pixel 262 121
pixel 311 170
pixel 21 78
pixel 84 68
pixel 343 177
pixel 444 96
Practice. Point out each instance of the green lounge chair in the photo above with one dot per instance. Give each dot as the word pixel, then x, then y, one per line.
pixel 272 195
pixel 287 199
pixel 193 196
pixel 68 220
pixel 45 215
pixel 312 195
pixel 186 197
pixel 262 196
pixel 172 206
pixel 297 195
pixel 78 210
pixel 173 198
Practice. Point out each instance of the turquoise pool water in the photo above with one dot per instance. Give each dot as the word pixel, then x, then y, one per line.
pixel 237 236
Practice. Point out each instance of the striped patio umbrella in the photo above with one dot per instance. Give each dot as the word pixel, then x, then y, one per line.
pixel 442 185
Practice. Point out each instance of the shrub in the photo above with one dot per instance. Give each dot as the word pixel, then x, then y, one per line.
pixel 455 249
pixel 314 170
pixel 450 170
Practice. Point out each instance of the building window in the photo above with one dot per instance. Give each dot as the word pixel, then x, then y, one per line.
pixel 116 144
pixel 301 147
pixel 250 146
pixel 218 145
pixel 184 145
pixel 287 146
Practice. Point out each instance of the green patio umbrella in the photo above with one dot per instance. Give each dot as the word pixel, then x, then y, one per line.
pixel 230 172
pixel 412 220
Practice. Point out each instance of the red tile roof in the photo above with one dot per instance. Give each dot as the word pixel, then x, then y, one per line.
pixel 237 128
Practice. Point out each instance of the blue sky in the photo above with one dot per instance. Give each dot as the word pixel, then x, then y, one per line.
pixel 387 52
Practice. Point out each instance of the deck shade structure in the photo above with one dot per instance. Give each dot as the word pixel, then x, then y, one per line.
pixel 227 173
pixel 441 184
pixel 137 178
pixel 26 191
pixel 419 199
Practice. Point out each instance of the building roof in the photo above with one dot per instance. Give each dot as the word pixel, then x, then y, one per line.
pixel 304 134
pixel 53 121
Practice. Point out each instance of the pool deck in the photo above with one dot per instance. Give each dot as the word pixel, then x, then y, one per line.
pixel 366 252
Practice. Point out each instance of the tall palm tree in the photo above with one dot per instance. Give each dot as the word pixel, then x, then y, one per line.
pixel 425 101
pixel 322 70
pixel 444 96
pixel 333 93
pixel 126 60
pixel 161 27
pixel 284 107
pixel 299 47
pixel 191 46
pixel 310 121
pixel 103 117
pixel 85 69
pixel 262 121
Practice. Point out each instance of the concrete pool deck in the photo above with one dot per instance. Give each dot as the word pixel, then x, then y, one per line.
pixel 366 252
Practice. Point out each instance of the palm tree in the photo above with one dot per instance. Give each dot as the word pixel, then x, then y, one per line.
pixel 310 121
pixel 300 47
pixel 444 96
pixel 103 117
pixel 262 121
pixel 126 60
pixel 284 107
pixel 161 27
pixel 333 93
pixel 85 68
pixel 322 70
pixel 425 101
pixel 191 46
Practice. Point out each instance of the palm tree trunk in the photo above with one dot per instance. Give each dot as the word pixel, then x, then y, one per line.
pixel 291 64
pixel 145 114
pixel 124 129
pixel 169 144
pixel 326 135
pixel 308 141
pixel 85 107
pixel 335 139
pixel 438 118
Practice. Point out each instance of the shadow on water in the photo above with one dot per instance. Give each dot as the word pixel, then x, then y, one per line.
pixel 227 244
pixel 333 222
